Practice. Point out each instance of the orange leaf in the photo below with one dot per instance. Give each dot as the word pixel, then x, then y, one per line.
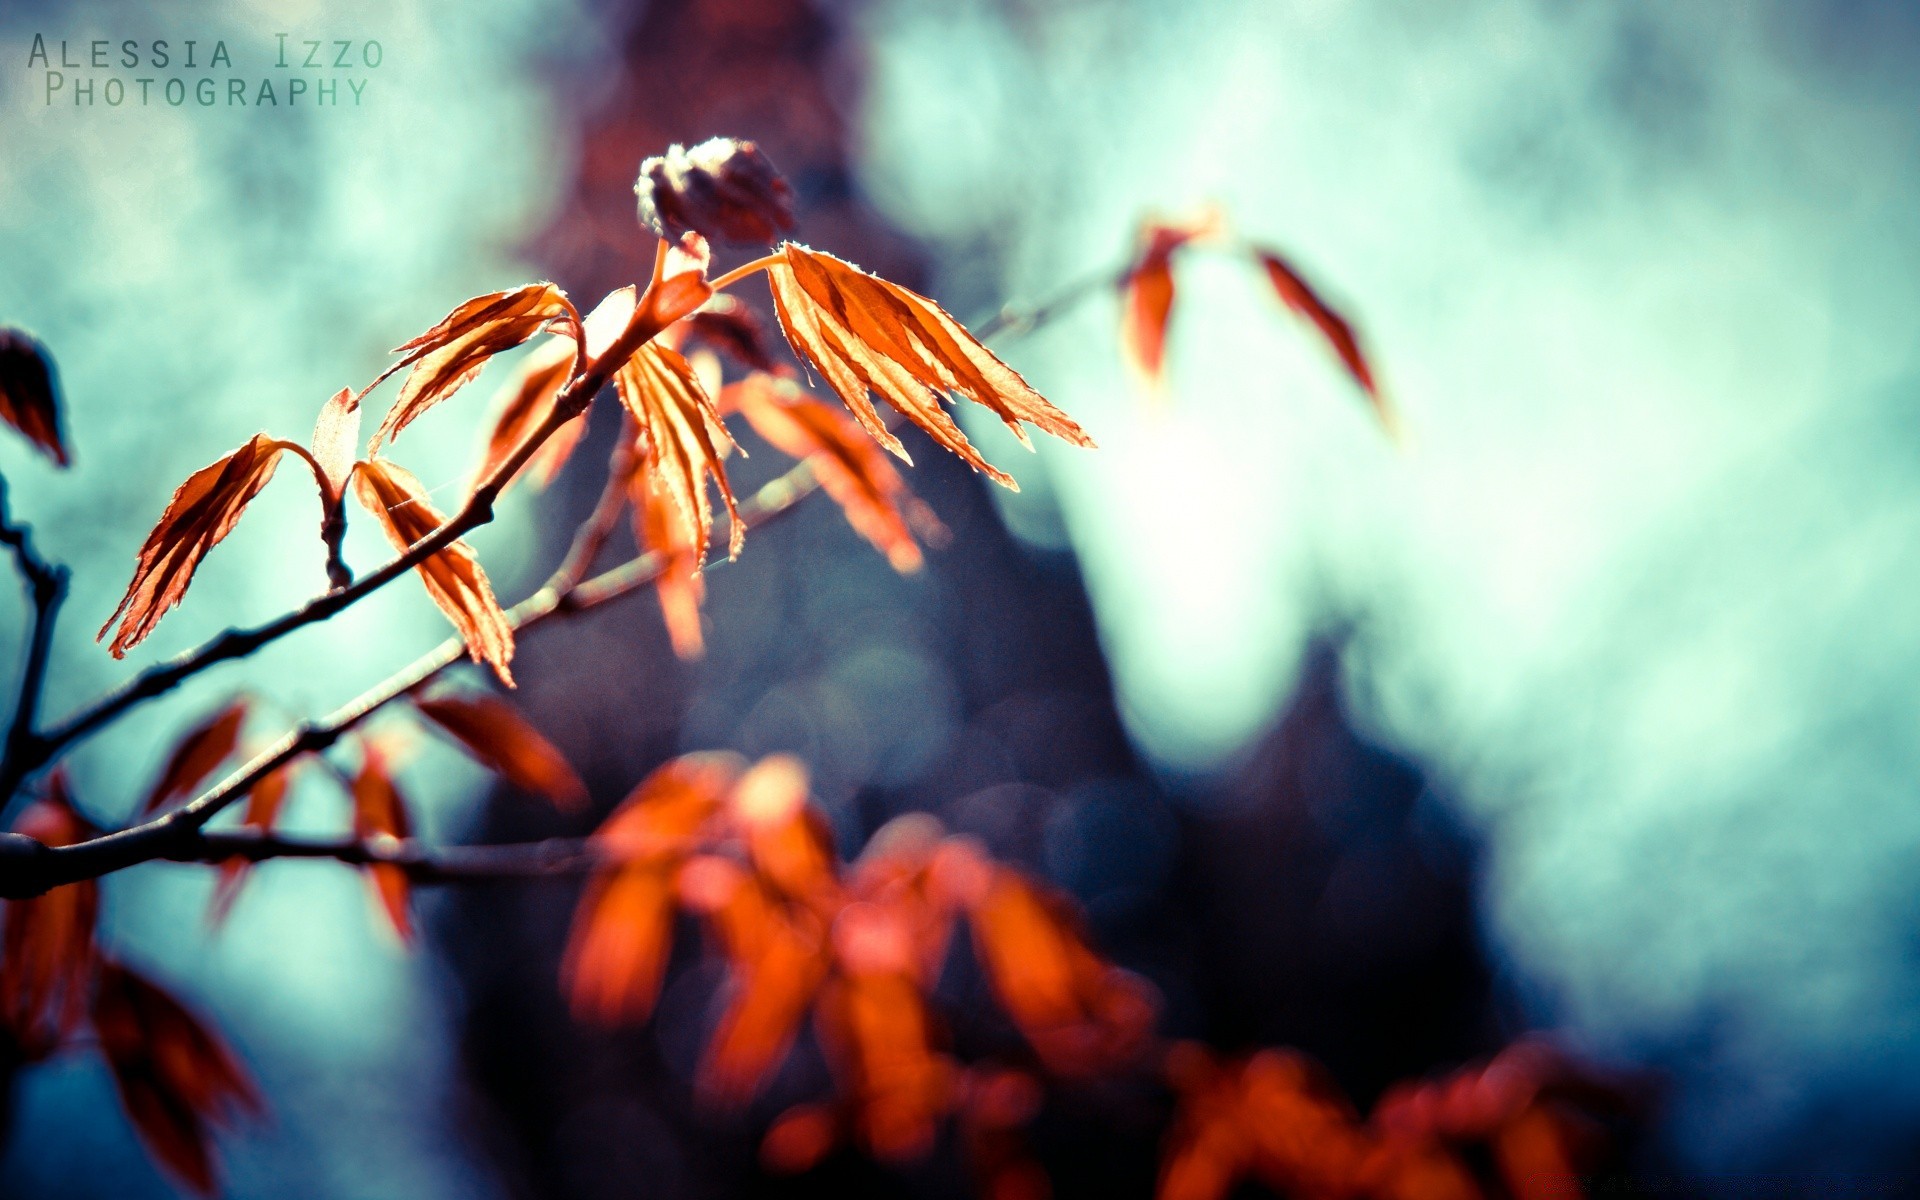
pixel 850 468
pixel 621 930
pixel 867 335
pixel 198 755
pixel 48 956
pixel 29 398
pixel 684 440
pixel 1080 1013
pixel 617 951
pixel 263 808
pixel 452 352
pixel 799 1138
pixel 496 734
pixel 1147 292
pixel 336 443
pixel 778 961
pixel 380 811
pixel 453 576
pixel 203 511
pixel 525 402
pixel 788 841
pixel 176 1079
pixel 1300 296
pixel 875 1029
pixel 657 528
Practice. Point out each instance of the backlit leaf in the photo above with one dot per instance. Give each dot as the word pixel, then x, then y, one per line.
pixel 264 800
pixel 453 575
pixel 1301 298
pixel 198 755
pixel 658 529
pixel 496 734
pixel 850 467
pixel 622 928
pixel 176 1079
pixel 1147 294
pixel 451 353
pixel 867 335
pixel 379 811
pixel 336 443
pixel 203 511
pixel 684 440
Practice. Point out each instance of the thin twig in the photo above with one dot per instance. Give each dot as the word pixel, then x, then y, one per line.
pixel 46 585
pixel 554 857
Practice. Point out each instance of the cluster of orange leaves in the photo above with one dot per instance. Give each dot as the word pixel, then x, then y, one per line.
pixel 863 335
pixel 857 946
pixel 1522 1124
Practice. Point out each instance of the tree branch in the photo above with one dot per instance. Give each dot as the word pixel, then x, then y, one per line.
pixel 46 585
pixel 477 511
pixel 554 857
pixel 28 868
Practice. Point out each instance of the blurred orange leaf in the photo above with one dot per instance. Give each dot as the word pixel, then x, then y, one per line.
pixel 494 732
pixel 865 335
pixel 850 467
pixel 1147 292
pixel 777 956
pixel 1079 1013
pixel 524 403
pixel 379 811
pixel 451 353
pixel 618 946
pixel 262 809
pixel 203 511
pixel 198 755
pixel 1302 299
pixel 453 576
pixel 48 956
pixel 176 1079
pixel 658 529
pixel 29 399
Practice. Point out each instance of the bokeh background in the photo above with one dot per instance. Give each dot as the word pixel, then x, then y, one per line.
pixel 1595 711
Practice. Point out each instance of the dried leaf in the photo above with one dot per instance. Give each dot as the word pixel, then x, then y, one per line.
pixel 722 187
pixel 48 956
pixel 198 755
pixel 29 395
pixel 451 353
pixel 203 511
pixel 453 576
pixel 658 529
pixel 850 467
pixel 684 439
pixel 264 800
pixel 1301 297
pixel 524 403
pixel 867 335
pixel 496 734
pixel 177 1080
pixel 1147 293
pixel 379 811
pixel 622 928
pixel 336 443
